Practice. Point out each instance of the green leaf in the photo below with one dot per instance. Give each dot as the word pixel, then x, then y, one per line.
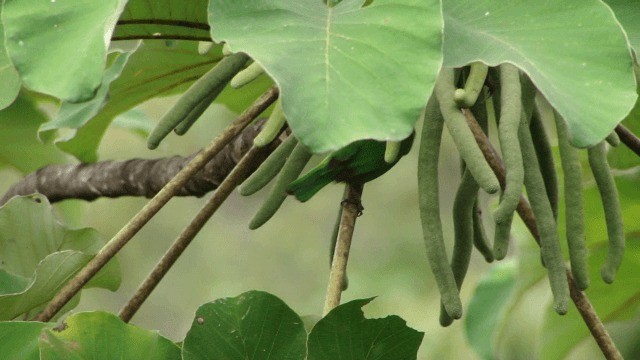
pixel 135 120
pixel 345 334
pixel 40 254
pixel 73 115
pixel 8 73
pixel 488 305
pixel 346 72
pixel 100 335
pixel 628 13
pixel 142 19
pixel 584 71
pixel 255 325
pixel 59 47
pixel 153 70
pixel 19 339
pixel 19 145
pixel 617 301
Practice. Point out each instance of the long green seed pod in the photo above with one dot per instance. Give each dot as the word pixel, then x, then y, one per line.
pixel 247 75
pixel 480 239
pixel 612 212
pixel 547 228
pixel 574 205
pixel 290 171
pixel 391 151
pixel 269 168
pixel 510 116
pixel 545 158
pixel 461 134
pixel 463 230
pixel 430 209
pixel 272 127
pixel 210 82
pixel 468 96
pixel 197 111
pixel 613 139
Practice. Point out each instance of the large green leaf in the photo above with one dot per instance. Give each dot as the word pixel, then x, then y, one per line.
pixel 10 78
pixel 628 13
pixel 38 255
pixel 73 115
pixel 617 301
pixel 19 339
pixel 155 69
pixel 346 334
pixel 487 307
pixel 143 19
pixel 59 47
pixel 345 72
pixel 574 51
pixel 100 335
pixel 19 145
pixel 255 325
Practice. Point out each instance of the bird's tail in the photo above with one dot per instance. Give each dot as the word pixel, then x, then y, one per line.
pixel 305 187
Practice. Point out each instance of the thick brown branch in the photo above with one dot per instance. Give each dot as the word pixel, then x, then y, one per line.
pixel 580 299
pixel 136 177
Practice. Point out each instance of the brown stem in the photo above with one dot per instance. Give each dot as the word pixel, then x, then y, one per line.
pixel 237 175
pixel 580 299
pixel 628 138
pixel 154 205
pixel 351 209
pixel 135 177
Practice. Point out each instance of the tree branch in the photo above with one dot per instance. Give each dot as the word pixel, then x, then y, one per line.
pixel 337 278
pixel 134 225
pixel 580 299
pixel 136 177
pixel 628 138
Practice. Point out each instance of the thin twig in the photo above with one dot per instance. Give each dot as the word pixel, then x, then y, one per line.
pixel 580 299
pixel 237 175
pixel 351 209
pixel 628 138
pixel 154 205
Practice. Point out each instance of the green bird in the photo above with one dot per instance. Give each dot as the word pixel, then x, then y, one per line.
pixel 356 163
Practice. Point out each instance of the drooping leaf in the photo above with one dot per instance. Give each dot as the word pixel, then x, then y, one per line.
pixel 38 255
pixel 255 325
pixel 143 19
pixel 346 334
pixel 10 78
pixel 19 145
pixel 135 120
pixel 59 47
pixel 73 115
pixel 584 71
pixel 100 335
pixel 153 70
pixel 19 339
pixel 487 307
pixel 345 72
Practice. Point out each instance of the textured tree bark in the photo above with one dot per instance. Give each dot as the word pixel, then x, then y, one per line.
pixel 135 177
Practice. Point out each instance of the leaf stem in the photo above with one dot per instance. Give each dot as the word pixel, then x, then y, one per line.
pixel 579 298
pixel 628 138
pixel 154 205
pixel 351 209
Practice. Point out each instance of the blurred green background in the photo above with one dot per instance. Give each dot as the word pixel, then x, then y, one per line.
pixel 288 256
